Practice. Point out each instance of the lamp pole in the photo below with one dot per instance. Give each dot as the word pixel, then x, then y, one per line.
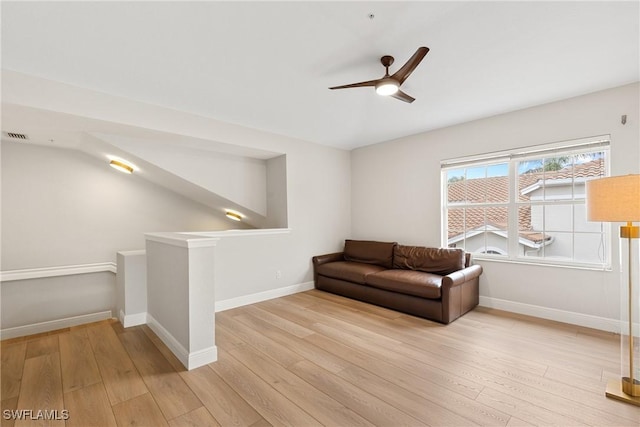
pixel 630 385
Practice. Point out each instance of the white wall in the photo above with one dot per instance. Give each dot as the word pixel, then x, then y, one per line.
pixel 63 207
pixel 277 192
pixel 396 192
pixel 318 183
pixel 240 179
pixel 28 302
pixel 131 287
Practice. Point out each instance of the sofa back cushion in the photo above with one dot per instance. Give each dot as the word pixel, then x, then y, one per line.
pixel 369 252
pixel 430 260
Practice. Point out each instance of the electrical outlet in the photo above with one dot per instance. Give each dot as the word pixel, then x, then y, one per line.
pixel 278 274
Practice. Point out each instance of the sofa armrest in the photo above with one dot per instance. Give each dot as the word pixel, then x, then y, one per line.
pixel 323 259
pixel 460 292
pixel 461 276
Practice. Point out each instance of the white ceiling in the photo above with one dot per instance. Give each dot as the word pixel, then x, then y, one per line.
pixel 267 65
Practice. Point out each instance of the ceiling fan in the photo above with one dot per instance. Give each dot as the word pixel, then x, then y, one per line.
pixel 389 85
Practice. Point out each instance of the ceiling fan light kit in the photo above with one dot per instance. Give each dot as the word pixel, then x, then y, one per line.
pixel 389 85
pixel 386 87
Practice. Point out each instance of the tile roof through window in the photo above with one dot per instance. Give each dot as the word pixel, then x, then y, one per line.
pixel 496 190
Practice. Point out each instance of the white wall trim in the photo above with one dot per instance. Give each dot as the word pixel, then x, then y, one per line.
pixel 241 233
pixel 64 270
pixel 176 348
pixel 194 239
pixel 189 360
pixel 134 252
pixel 136 319
pixel 202 357
pixel 182 240
pixel 580 319
pixel 52 325
pixel 262 296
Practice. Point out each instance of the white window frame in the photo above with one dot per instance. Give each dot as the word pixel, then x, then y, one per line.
pixel 513 157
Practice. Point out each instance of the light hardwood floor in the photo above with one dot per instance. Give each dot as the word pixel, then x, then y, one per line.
pixel 318 359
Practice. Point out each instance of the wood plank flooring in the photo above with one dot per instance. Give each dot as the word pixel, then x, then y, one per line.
pixel 318 359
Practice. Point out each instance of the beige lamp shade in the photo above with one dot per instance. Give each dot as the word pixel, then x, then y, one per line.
pixel 614 199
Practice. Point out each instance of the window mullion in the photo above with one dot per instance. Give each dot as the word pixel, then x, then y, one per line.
pixel 444 211
pixel 512 243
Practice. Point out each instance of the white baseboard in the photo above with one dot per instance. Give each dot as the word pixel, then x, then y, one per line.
pixel 129 320
pixel 176 348
pixel 189 360
pixel 202 357
pixel 580 319
pixel 52 325
pixel 262 296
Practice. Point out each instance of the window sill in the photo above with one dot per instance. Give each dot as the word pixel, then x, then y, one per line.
pixel 485 258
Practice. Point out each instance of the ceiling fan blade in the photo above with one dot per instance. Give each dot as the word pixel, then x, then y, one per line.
pixel 361 84
pixel 403 97
pixel 404 72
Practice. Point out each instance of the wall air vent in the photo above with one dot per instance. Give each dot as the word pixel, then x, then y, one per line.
pixel 15 135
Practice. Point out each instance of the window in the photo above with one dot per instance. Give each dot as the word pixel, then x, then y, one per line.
pixel 527 205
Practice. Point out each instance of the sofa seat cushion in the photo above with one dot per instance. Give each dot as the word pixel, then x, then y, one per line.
pixel 349 271
pixel 410 282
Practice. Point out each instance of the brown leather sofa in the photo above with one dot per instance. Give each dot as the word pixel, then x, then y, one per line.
pixel 437 284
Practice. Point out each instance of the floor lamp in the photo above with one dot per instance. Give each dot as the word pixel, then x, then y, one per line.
pixel 617 199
